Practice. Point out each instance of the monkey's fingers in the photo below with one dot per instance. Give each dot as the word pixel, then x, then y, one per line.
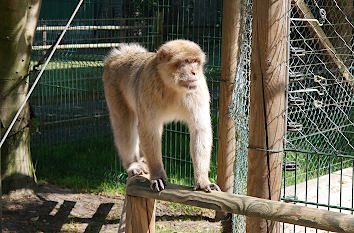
pixel 214 187
pixel 158 184
pixel 137 169
pixel 208 188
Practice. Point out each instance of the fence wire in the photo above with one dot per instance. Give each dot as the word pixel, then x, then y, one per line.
pixel 239 109
pixel 318 159
pixel 318 163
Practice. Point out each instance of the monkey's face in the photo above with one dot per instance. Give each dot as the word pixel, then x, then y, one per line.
pixel 188 73
pixel 181 65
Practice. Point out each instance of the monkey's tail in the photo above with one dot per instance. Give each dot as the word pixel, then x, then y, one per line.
pixel 124 49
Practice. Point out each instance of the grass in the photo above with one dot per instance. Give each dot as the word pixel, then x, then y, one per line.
pixel 88 165
pixel 92 165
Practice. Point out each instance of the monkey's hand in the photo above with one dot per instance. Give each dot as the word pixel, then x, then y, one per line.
pixel 206 186
pixel 137 168
pixel 158 181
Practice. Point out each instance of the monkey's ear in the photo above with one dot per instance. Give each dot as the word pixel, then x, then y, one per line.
pixel 164 55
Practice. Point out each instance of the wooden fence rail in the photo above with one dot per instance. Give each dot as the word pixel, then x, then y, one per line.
pixel 140 207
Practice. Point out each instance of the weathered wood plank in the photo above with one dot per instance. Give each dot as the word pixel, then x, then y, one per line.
pixel 245 205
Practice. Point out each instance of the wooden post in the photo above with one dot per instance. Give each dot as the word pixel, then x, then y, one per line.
pixel 267 105
pixel 239 204
pixel 138 215
pixel 230 51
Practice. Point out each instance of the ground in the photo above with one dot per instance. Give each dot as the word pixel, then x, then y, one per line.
pixel 55 209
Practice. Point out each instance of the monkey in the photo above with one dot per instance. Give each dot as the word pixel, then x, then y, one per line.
pixel 145 90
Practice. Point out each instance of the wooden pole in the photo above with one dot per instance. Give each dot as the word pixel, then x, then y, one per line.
pixel 267 105
pixel 140 215
pixel 230 51
pixel 239 204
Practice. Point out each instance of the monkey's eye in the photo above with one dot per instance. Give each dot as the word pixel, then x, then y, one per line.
pixel 191 60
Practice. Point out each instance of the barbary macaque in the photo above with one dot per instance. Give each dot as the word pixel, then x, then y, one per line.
pixel 144 91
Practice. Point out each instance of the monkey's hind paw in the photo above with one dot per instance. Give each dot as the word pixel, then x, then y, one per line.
pixel 158 184
pixel 207 188
pixel 137 169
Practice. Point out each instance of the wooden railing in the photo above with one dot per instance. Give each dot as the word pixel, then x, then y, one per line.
pixel 140 207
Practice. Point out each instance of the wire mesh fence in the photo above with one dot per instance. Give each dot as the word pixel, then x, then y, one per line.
pixel 239 109
pixel 318 159
pixel 318 162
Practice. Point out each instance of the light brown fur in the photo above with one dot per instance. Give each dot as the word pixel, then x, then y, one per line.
pixel 146 90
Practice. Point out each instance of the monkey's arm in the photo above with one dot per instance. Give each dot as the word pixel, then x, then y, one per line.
pixel 150 134
pixel 200 147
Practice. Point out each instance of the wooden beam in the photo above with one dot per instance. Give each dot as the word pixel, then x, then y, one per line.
pixel 230 52
pixel 267 105
pixel 244 205
pixel 323 40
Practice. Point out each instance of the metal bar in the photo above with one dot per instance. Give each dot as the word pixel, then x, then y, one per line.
pixel 317 204
pixel 307 20
pixel 78 46
pixel 88 27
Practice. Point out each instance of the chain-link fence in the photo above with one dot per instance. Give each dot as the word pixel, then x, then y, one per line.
pixel 319 161
pixel 319 155
pixel 240 108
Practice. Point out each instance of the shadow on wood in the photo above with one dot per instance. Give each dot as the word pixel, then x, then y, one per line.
pixel 141 208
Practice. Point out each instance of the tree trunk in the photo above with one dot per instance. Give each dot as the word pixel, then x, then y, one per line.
pixel 18 20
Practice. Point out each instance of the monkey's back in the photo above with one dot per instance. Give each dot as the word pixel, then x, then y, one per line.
pixel 122 72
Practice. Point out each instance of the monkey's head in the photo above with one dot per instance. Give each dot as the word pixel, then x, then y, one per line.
pixel 180 64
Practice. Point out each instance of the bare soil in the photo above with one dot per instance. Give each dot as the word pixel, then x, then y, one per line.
pixel 54 209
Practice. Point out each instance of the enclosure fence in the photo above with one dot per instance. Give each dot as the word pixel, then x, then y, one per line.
pixel 318 168
pixel 318 159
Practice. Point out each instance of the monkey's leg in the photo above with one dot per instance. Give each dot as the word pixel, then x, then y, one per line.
pixel 150 134
pixel 200 147
pixel 124 124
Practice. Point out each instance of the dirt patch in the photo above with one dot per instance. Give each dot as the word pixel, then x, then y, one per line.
pixel 55 209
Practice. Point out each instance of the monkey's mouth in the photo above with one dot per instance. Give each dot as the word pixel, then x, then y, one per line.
pixel 190 84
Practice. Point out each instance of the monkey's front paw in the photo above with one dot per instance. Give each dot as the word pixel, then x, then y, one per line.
pixel 158 179
pixel 137 168
pixel 207 187
pixel 158 184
